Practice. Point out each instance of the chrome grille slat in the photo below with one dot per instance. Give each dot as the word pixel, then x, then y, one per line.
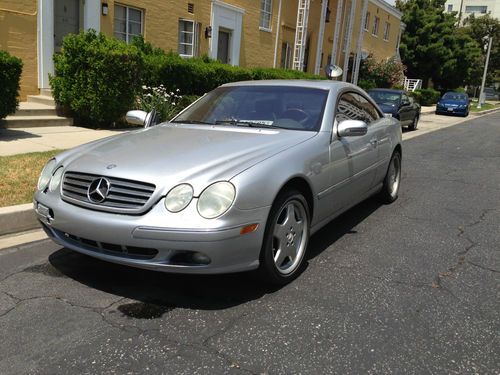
pixel 124 195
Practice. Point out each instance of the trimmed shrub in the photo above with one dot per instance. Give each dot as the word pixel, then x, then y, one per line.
pixel 10 75
pixel 426 96
pixel 383 74
pixel 97 77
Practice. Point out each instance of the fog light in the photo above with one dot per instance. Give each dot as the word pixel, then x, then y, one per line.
pixel 201 258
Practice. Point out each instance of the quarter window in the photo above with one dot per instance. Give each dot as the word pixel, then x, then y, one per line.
pixel 376 21
pixel 188 38
pixel 127 22
pixel 265 14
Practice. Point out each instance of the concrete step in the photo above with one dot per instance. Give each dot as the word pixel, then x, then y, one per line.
pixel 35 121
pixel 35 109
pixel 42 99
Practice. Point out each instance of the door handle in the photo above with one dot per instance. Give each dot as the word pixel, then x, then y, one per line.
pixel 374 142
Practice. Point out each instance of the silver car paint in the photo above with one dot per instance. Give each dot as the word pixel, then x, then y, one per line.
pixel 259 162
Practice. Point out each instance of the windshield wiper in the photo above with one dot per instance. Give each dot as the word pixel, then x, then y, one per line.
pixel 191 122
pixel 251 124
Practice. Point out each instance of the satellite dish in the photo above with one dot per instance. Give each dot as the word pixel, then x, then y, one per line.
pixel 333 71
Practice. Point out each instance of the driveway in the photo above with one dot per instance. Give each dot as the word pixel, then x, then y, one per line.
pixel 409 288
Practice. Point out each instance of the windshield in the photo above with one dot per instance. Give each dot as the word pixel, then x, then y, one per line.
pixel 385 97
pixel 454 96
pixel 286 107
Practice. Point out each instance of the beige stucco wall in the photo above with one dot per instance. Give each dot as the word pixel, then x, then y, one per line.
pixel 18 20
pixel 18 28
pixel 161 26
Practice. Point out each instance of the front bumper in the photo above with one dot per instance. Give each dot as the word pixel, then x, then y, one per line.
pixel 158 240
pixel 451 111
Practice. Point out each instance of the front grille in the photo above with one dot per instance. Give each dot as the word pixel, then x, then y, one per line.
pixel 133 252
pixel 123 194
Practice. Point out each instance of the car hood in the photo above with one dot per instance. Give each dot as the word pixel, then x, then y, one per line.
pixel 166 155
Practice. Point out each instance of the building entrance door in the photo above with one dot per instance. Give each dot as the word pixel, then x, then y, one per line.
pixel 66 20
pixel 223 47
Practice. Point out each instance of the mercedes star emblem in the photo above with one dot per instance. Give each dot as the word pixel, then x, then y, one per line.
pixel 98 190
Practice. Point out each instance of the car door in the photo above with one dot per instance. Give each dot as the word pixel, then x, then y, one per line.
pixel 406 112
pixel 353 159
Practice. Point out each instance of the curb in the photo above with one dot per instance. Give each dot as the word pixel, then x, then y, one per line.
pixel 15 219
pixel 470 113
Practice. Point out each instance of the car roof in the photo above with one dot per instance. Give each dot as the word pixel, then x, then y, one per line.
pixel 310 83
pixel 395 91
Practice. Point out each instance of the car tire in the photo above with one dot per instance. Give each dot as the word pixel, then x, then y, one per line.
pixel 392 180
pixel 414 124
pixel 285 239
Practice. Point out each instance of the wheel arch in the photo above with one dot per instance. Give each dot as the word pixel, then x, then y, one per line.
pixel 302 185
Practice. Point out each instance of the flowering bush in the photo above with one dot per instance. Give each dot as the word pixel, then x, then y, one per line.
pixel 167 103
pixel 384 74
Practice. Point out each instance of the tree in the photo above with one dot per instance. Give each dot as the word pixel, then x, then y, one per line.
pixel 432 47
pixel 480 29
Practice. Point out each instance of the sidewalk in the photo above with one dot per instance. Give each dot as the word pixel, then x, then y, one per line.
pixel 24 140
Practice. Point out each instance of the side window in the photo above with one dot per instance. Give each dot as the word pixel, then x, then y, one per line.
pixel 352 106
pixel 370 112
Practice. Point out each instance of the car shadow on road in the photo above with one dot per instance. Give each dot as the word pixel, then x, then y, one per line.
pixel 206 292
pixel 342 225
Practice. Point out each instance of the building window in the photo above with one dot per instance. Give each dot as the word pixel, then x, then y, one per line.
pixel 128 22
pixel 367 22
pixel 387 29
pixel 188 38
pixel 450 7
pixel 476 9
pixel 376 21
pixel 265 14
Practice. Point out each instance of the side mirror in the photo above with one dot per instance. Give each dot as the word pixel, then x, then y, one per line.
pixel 333 71
pixel 136 117
pixel 352 128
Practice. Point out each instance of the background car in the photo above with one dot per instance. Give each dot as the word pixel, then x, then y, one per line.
pixel 490 93
pixel 453 103
pixel 399 105
pixel 237 181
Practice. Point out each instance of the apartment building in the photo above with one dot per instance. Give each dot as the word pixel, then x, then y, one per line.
pixel 464 8
pixel 246 33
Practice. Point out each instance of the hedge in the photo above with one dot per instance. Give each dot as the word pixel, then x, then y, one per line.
pixel 10 74
pixel 197 76
pixel 426 96
pixel 96 77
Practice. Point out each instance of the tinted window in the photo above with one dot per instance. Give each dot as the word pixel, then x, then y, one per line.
pixel 355 107
pixel 454 96
pixel 286 107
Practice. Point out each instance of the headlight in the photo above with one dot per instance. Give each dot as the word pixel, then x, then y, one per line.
pixel 46 174
pixel 216 199
pixel 56 179
pixel 178 198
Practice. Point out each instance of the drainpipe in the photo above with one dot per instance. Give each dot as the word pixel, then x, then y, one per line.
pixel 348 41
pixel 336 33
pixel 278 27
pixel 321 35
pixel 359 45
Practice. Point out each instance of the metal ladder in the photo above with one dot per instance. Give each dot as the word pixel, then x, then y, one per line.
pixel 300 34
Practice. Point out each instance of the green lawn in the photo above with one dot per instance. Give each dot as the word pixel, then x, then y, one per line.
pixel 484 107
pixel 19 176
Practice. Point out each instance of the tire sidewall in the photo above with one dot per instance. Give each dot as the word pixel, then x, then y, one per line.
pixel 267 267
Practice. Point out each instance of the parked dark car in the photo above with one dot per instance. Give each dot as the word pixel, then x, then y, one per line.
pixel 453 103
pixel 398 104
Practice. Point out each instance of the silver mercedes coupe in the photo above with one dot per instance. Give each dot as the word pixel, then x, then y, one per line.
pixel 237 181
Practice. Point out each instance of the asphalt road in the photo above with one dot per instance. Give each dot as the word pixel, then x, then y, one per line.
pixel 411 287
